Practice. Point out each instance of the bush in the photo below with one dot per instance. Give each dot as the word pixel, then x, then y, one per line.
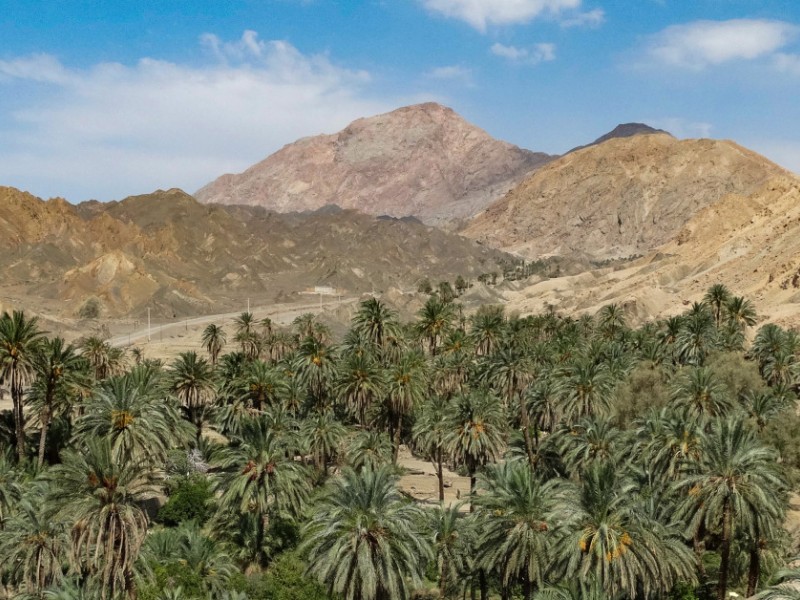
pixel 90 309
pixel 192 500
pixel 285 580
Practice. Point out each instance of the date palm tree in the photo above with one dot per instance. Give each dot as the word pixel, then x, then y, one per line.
pixel 701 394
pixel 191 380
pixel 369 450
pixel 60 377
pixel 324 435
pixel 360 382
pixel 364 540
pixel 19 339
pixel 256 476
pixel 734 481
pixel 474 435
pixel 214 340
pixel 450 546
pixel 434 321
pixel 138 424
pixel 100 496
pixel 430 434
pixel 717 297
pixel 520 520
pixel 376 321
pixel 407 383
pixel 586 388
pixel 34 545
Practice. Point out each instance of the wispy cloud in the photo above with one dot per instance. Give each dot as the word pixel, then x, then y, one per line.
pixel 482 13
pixel 593 19
pixel 702 44
pixel 114 129
pixel 530 56
pixel 457 73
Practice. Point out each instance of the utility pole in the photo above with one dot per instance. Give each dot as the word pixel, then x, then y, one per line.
pixel 148 323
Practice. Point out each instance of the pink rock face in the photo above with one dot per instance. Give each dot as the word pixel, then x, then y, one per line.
pixel 423 161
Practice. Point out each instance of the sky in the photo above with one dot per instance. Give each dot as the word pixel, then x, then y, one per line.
pixel 102 99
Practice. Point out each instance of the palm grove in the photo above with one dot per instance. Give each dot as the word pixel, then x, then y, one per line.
pixel 603 461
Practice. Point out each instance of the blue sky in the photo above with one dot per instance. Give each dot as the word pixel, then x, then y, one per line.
pixel 104 99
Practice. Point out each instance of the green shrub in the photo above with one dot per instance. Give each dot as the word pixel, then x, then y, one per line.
pixel 285 580
pixel 192 500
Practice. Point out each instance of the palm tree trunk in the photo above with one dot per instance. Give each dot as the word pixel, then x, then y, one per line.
pixel 45 418
pixel 484 584
pixel 525 419
pixel 440 473
pixel 443 579
pixel 725 552
pixel 19 417
pixel 527 588
pixel 754 572
pixel 396 441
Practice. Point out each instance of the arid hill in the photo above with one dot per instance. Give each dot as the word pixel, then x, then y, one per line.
pixel 623 130
pixel 750 243
pixel 620 198
pixel 423 161
pixel 179 257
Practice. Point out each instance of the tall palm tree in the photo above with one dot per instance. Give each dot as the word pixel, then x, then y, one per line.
pixel 324 435
pixel 740 313
pixel 101 497
pixel 435 320
pixel 369 450
pixel 696 337
pixel 474 435
pixel 520 518
pixel 364 541
pixel 611 319
pixel 586 387
pixel 256 476
pixel 510 371
pixel 376 321
pixel 734 480
pixel 430 433
pixel 263 385
pixel 717 297
pixel 214 340
pixel 407 383
pixel 19 339
pixel 314 366
pixel 60 376
pixel 360 382
pixel 486 328
pixel 191 379
pixel 245 323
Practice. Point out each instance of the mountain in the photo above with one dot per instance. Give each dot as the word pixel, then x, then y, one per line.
pixel 623 130
pixel 620 198
pixel 423 161
pixel 750 242
pixel 168 252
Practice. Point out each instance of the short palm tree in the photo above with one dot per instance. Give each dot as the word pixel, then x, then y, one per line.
pixel 364 540
pixel 450 546
pixel 701 394
pixel 586 388
pixel 19 339
pixel 34 546
pixel 360 382
pixel 101 497
pixel 520 520
pixel 734 481
pixel 369 450
pixel 430 434
pixel 487 328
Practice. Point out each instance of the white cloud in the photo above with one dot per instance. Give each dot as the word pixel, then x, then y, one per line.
pixel 113 130
pixel 530 56
pixel 482 13
pixel 787 63
pixel 593 18
pixel 451 73
pixel 700 44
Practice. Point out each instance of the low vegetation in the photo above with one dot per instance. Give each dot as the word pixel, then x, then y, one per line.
pixel 604 461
